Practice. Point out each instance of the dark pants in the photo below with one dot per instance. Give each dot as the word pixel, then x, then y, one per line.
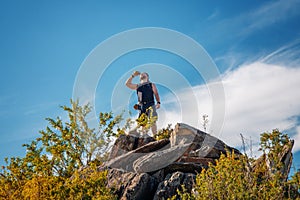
pixel 145 108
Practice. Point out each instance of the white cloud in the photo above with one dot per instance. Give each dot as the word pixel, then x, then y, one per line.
pixel 297 140
pixel 259 98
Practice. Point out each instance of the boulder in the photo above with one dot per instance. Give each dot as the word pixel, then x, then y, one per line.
pixel 126 143
pixel 159 159
pixel 130 185
pixel 172 183
pixel 201 144
pixel 125 161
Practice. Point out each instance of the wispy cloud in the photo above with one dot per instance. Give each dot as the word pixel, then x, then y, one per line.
pixel 213 15
pixel 286 55
pixel 260 96
pixel 239 27
pixel 271 13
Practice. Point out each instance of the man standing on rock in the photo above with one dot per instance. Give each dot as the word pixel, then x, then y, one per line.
pixel 146 91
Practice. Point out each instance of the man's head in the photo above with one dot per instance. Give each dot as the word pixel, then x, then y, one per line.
pixel 144 77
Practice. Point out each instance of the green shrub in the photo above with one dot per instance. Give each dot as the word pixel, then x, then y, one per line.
pixel 237 177
pixel 164 133
pixel 53 158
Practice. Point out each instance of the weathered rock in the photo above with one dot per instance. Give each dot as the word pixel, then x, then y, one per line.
pixel 160 159
pixel 172 182
pixel 133 186
pixel 185 141
pixel 126 143
pixel 125 161
pixel 202 144
pixel 285 157
pixel 158 175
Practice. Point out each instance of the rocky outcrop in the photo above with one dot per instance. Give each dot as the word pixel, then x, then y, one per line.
pixel 126 143
pixel 187 145
pixel 142 168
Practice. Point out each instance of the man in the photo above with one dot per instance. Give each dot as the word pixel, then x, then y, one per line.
pixel 146 91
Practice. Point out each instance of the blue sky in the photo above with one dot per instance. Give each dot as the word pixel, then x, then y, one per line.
pixel 254 44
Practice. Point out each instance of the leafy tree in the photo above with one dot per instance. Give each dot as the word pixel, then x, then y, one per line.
pixel 62 149
pixel 272 145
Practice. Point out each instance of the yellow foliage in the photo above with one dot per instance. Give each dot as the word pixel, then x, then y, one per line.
pixel 86 184
pixel 49 169
pixel 234 177
pixel 164 133
pixel 146 121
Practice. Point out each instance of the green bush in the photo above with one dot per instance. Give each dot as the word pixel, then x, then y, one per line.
pixel 237 177
pixel 50 167
pixel 164 133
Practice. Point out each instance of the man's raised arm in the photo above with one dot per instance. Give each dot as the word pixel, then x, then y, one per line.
pixel 129 83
